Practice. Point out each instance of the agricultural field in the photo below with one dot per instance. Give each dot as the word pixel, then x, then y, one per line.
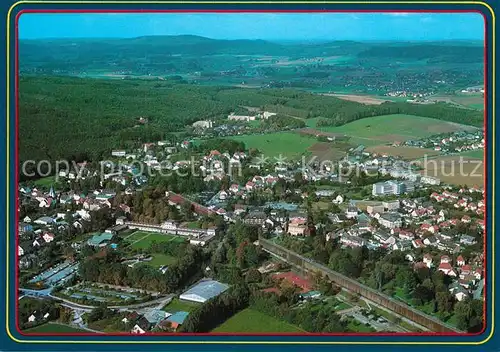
pixel 456 170
pixel 363 99
pixel 472 100
pixel 252 321
pixel 408 153
pixel 176 305
pixel 327 151
pixel 477 154
pixel 54 328
pixel 288 144
pixel 394 128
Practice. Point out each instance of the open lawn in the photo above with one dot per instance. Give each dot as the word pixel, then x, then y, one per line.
pixel 54 328
pixel 456 170
pixel 161 259
pixel 249 320
pixel 288 144
pixel 176 305
pixel 403 152
pixel 392 128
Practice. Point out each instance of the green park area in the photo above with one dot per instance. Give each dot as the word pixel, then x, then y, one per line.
pixel 249 320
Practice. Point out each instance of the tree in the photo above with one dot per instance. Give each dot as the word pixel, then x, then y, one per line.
pixel 406 280
pixel 422 294
pixel 444 302
pixel 253 275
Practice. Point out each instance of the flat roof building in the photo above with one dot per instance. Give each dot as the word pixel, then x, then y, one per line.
pixel 203 291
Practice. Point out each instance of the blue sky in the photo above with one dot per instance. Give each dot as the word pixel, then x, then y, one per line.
pixel 319 26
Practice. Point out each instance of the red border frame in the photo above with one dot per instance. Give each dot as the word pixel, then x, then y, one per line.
pixel 97 11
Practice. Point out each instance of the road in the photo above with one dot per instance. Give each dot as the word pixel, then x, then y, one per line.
pixel 159 302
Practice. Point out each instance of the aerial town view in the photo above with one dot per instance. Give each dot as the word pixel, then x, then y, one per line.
pixel 232 173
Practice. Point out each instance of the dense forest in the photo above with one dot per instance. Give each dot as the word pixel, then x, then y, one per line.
pixel 84 119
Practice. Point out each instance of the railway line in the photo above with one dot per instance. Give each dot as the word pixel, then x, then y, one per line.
pixel 309 266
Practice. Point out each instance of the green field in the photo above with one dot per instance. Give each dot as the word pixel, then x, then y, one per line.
pixel 479 106
pixel 390 128
pixel 143 239
pixel 176 305
pixel 479 154
pixel 249 320
pixel 161 259
pixel 288 144
pixel 54 327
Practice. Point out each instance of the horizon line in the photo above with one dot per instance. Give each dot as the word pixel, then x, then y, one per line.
pixel 255 39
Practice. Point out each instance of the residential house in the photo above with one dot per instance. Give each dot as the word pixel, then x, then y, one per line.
pixel 141 326
pixel 297 226
pixel 177 319
pixel 431 241
pixel 418 243
pixel 352 241
pixel 402 246
pixel 460 261
pixel 447 269
pixel 458 291
pixel 351 212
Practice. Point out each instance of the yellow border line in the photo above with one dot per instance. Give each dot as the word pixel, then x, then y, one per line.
pixel 490 64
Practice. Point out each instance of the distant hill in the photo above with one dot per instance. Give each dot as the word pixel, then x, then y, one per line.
pixel 163 52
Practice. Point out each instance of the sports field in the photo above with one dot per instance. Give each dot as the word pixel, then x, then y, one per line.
pixel 249 320
pixel 54 327
pixel 143 239
pixel 397 127
pixel 288 144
